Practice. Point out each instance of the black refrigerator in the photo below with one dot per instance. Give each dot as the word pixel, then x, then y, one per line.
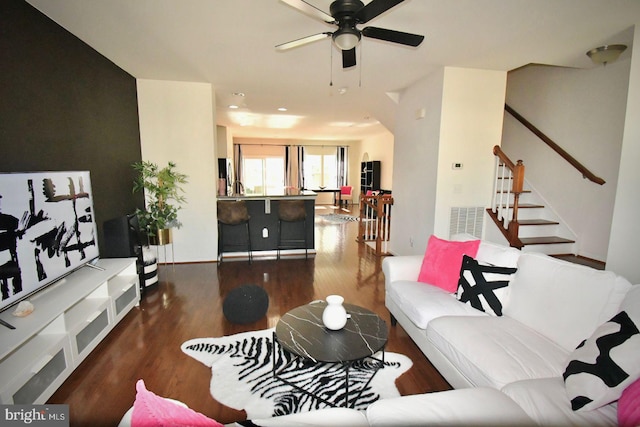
pixel 225 177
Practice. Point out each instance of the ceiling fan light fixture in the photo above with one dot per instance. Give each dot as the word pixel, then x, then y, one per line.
pixel 346 38
pixel 606 54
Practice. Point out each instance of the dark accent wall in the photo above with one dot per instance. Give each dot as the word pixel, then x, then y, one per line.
pixel 63 106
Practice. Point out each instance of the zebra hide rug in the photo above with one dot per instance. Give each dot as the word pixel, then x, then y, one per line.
pixel 337 218
pixel 242 378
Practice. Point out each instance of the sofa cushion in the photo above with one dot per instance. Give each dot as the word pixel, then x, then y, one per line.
pixel 484 286
pixel 421 303
pixel 328 417
pixel 629 406
pixel 606 363
pixel 492 253
pixel 547 293
pixel 495 254
pixel 151 410
pixel 466 406
pixel 494 351
pixel 546 401
pixel 442 261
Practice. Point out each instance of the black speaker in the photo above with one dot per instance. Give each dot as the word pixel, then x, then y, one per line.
pixel 120 240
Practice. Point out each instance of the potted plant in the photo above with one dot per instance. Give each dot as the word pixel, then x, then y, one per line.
pixel 163 196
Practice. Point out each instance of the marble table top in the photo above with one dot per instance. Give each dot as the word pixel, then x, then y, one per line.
pixel 301 332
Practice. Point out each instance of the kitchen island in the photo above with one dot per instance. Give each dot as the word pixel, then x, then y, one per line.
pixel 263 224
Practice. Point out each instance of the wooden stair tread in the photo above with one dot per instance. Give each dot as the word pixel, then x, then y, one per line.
pixel 577 259
pixel 527 206
pixel 537 222
pixel 544 240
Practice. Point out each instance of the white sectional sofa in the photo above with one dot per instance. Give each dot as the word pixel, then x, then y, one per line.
pixel 550 308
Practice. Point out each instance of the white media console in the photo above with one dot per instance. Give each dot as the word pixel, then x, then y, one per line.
pixel 70 318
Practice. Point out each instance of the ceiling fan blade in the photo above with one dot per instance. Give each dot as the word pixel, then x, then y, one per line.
pixel 375 8
pixel 349 58
pixel 310 10
pixel 393 36
pixel 302 41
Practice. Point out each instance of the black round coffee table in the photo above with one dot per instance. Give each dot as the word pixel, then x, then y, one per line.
pixel 302 333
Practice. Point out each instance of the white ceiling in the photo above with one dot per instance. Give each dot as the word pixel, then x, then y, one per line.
pixel 230 44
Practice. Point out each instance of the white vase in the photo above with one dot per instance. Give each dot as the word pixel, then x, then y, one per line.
pixel 334 315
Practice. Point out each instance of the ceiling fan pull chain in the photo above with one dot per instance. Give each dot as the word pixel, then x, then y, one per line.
pixel 360 70
pixel 331 66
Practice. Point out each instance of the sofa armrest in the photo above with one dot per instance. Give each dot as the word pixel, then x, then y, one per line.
pixel 405 267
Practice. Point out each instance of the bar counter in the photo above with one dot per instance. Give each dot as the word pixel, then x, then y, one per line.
pixel 263 224
pixel 290 194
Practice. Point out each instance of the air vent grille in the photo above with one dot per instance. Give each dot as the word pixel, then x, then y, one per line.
pixel 466 220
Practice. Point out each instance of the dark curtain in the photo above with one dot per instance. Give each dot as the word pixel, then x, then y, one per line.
pixel 301 183
pixel 342 166
pixel 238 188
pixel 287 167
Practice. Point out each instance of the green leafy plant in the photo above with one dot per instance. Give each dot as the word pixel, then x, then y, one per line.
pixel 163 194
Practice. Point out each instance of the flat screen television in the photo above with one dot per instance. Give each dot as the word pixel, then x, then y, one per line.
pixel 47 230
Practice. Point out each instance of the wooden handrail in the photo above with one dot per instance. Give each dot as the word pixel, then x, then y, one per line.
pixel 586 173
pixel 509 225
pixel 516 168
pixel 375 224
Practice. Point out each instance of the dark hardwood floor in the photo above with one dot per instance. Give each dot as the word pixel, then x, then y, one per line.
pixel 187 304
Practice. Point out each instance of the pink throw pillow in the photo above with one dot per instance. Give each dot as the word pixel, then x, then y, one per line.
pixel 629 406
pixel 442 262
pixel 151 410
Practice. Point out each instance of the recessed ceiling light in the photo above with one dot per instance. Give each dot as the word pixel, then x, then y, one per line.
pixel 343 90
pixel 240 94
pixel 233 107
pixel 282 109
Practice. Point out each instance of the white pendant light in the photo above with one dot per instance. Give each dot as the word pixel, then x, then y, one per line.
pixel 346 38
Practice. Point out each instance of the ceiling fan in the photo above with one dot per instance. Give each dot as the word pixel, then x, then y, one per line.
pixel 346 14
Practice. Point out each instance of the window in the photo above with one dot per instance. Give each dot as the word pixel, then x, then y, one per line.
pixel 263 169
pixel 320 167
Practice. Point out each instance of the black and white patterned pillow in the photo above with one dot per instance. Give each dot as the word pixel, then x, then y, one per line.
pixel 603 365
pixel 483 286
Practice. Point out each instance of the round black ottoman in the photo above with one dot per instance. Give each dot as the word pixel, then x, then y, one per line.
pixel 245 304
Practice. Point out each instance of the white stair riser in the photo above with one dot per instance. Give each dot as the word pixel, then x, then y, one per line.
pixel 538 230
pixel 557 248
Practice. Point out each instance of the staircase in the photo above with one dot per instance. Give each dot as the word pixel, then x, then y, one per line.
pixel 522 215
pixel 374 227
pixel 540 228
pixel 525 218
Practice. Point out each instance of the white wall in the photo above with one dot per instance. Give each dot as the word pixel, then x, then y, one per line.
pixel 380 147
pixel 224 142
pixel 415 164
pixel 471 126
pixel 177 123
pixel 625 231
pixel 462 122
pixel 583 111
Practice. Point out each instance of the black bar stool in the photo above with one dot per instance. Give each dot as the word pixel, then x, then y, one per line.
pixel 292 211
pixel 233 214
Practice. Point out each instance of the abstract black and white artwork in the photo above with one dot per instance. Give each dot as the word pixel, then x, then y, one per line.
pixel 47 229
